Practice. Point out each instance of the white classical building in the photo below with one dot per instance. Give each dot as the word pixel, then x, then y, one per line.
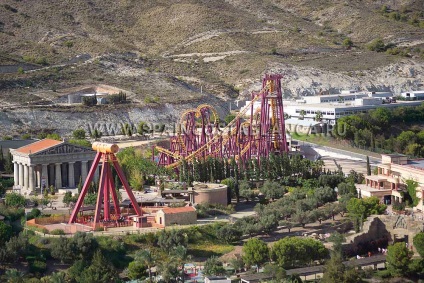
pixel 50 162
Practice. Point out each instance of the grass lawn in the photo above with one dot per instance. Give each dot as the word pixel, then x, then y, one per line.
pixel 208 249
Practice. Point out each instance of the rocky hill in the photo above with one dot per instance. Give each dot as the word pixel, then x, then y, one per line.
pixel 181 53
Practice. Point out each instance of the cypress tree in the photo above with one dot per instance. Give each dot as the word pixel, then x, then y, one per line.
pixel 1 159
pixel 8 163
pixel 368 166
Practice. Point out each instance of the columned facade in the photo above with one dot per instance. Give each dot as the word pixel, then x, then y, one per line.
pixel 58 164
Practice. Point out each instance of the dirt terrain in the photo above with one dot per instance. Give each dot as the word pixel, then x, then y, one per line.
pixel 172 55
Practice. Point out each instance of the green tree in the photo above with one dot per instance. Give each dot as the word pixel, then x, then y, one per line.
pixel 272 190
pixel 255 252
pixel 335 270
pixel 79 134
pixel 346 189
pixel 228 234
pixel 360 209
pixel 277 272
pixel 147 258
pixel 62 249
pixel 15 200
pixel 245 191
pixel 368 166
pixel 136 270
pixel 419 243
pixel 213 267
pixel 76 271
pixel 318 116
pixel 57 277
pixel 324 195
pixel 168 269
pixel 54 136
pixel 377 45
pixel 14 276
pixel 398 259
pixel 5 233
pixel 168 240
pixel 8 163
pixel 84 245
pixel 100 270
pixel 181 256
pixel 237 263
pixel 411 187
pixel 347 43
pixel 290 252
pixel 17 247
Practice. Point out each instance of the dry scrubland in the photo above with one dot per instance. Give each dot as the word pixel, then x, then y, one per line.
pixel 165 51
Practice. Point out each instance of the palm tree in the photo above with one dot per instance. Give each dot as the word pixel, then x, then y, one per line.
pixel 14 276
pixel 180 253
pixel 148 259
pixel 57 277
pixel 318 116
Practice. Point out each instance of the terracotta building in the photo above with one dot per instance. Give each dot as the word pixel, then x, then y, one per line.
pixel 390 182
pixel 176 216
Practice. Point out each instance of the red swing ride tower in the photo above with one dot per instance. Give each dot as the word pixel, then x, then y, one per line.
pixel 106 157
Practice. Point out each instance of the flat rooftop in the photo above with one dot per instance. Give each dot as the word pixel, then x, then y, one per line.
pixel 351 104
pixel 365 188
pixel 416 163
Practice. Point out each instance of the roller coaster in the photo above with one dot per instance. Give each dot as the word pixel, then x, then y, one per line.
pixel 199 135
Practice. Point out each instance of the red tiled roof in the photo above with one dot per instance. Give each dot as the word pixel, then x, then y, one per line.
pixel 38 146
pixel 171 210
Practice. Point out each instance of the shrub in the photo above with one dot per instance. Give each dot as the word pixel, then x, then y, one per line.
pixel 15 200
pixel 57 232
pixel 347 42
pixel 377 45
pixel 37 266
pixel 68 43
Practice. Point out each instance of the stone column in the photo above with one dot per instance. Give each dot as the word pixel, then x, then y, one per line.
pixel 38 174
pixel 44 176
pixel 58 176
pixel 26 177
pixel 16 173
pixel 21 175
pixel 71 176
pixel 31 181
pixel 84 171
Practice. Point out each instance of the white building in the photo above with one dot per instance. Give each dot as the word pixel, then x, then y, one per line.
pixel 336 106
pixel 413 95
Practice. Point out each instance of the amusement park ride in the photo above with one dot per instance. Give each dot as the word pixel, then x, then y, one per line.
pixel 105 155
pixel 199 135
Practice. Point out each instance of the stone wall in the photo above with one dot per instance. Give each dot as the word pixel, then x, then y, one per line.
pixel 394 228
pixel 182 218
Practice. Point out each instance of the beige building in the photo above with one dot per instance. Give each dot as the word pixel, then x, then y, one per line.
pixel 50 162
pixel 209 193
pixel 176 216
pixel 389 183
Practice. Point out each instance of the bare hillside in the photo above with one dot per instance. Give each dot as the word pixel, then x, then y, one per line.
pixel 187 51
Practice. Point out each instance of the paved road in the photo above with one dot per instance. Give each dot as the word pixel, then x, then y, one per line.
pixel 340 151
